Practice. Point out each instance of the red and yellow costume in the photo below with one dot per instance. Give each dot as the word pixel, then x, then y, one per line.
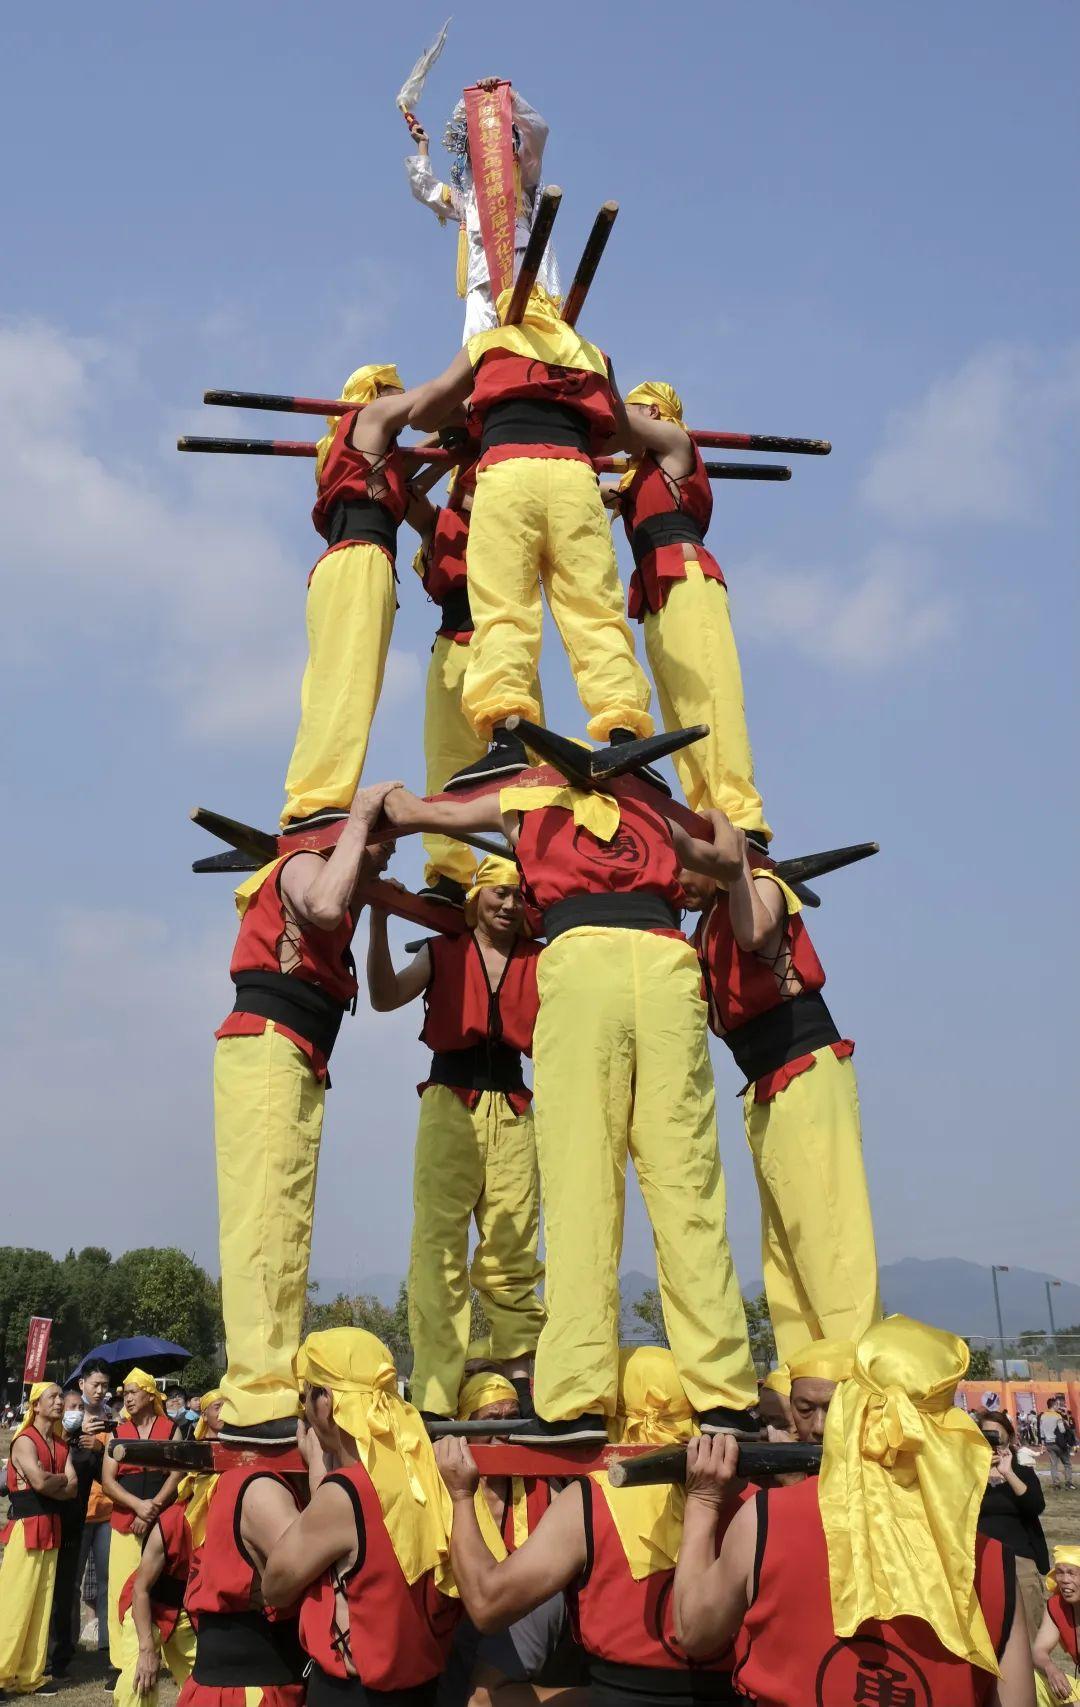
pixel 801 1114
pixel 172 1627
pixel 125 1548
pixel 350 606
pixel 475 1159
pixel 529 1496
pixel 622 1070
pixel 542 403
pixel 31 1541
pixel 683 602
pixel 293 984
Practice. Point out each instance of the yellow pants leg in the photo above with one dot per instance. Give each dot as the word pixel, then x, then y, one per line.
pixel 268 1112
pixel 581 579
pixel 807 1149
pixel 507 535
pixel 448 1180
pixel 505 1269
pixel 583 1047
pixel 450 744
pixel 350 617
pixel 695 667
pixel 26 1593
pixel 178 1653
pixel 125 1551
pixel 674 1149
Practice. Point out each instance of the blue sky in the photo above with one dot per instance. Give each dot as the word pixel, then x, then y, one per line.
pixel 848 221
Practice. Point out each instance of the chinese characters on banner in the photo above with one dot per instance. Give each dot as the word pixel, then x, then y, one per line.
pixel 37 1349
pixel 491 154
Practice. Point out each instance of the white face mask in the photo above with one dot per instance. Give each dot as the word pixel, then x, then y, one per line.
pixel 72 1419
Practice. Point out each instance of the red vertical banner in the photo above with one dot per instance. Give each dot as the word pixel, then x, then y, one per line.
pixel 491 156
pixel 37 1349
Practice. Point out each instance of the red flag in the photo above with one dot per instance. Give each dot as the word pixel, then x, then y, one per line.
pixel 37 1349
pixel 491 155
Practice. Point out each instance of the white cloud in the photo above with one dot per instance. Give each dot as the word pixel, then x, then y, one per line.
pixel 981 444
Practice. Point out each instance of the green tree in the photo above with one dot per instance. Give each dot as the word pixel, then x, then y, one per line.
pixel 760 1330
pixel 981 1366
pixel 31 1284
pixel 650 1310
pixel 389 1323
pixel 164 1292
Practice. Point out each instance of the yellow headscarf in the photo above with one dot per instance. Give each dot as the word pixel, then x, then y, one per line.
pixel 593 811
pixel 36 1391
pixel 487 1387
pixel 361 387
pixel 654 1411
pixel 483 1388
pixel 139 1378
pixel 778 1380
pixel 1064 1554
pixel 822 1360
pixel 197 1490
pixel 541 336
pixel 391 1443
pixel 667 401
pixel 903 1473
pixel 491 873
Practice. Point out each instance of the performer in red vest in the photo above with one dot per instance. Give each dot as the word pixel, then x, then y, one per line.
pixel 544 402
pixel 40 1481
pixel 152 1617
pixel 1061 1624
pixel 679 593
pixel 367 1557
pixel 475 1147
pixel 351 598
pixel 613 1551
pixel 139 1495
pixel 800 1104
pixel 622 1071
pixel 866 1583
pixel 294 975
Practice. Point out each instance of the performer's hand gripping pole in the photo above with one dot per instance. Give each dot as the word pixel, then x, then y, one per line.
pixel 531 261
pixel 668 1463
pixel 591 256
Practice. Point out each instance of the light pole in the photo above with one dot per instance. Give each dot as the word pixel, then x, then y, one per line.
pixel 1050 1308
pixel 997 1268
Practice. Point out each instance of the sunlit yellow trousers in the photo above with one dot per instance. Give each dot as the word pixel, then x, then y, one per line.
pixel 178 1654
pixel 477 1165
pixel 623 1070
pixel 125 1551
pixel 350 617
pixel 268 1113
pixel 26 1595
pixel 695 666
pixel 817 1234
pixel 539 521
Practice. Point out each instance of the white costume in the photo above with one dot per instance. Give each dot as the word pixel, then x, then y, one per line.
pixel 447 202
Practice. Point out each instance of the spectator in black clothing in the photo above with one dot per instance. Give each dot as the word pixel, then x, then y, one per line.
pixel 1010 1513
pixel 86 1432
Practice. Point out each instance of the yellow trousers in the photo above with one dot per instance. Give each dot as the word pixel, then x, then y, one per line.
pixel 268 1113
pixel 178 1654
pixel 471 1165
pixel 695 666
pixel 350 617
pixel 817 1235
pixel 125 1551
pixel 622 1069
pixel 539 521
pixel 26 1594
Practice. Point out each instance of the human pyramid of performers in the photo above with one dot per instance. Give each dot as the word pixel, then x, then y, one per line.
pixel 559 872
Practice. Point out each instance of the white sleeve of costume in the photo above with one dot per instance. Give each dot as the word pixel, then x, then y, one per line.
pixel 533 133
pixel 441 198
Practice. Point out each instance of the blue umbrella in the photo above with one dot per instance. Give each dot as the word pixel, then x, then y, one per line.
pixel 157 1357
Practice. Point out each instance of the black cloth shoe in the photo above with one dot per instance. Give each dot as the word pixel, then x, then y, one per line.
pixel 522 1385
pixel 587 1430
pixel 315 820
pixel 505 757
pixel 619 738
pixel 280 1431
pixel 720 1419
pixel 446 890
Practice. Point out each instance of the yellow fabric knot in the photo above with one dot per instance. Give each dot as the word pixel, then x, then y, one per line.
pixel 652 1410
pixel 592 811
pixel 665 397
pixel 542 336
pixel 362 387
pixel 892 1429
pixel 197 1490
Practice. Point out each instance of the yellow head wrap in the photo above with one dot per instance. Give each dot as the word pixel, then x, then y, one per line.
pixel 139 1378
pixel 665 397
pixel 901 1460
pixel 362 387
pixel 598 813
pixel 778 1380
pixel 391 1443
pixel 205 1402
pixel 542 335
pixel 1064 1554
pixel 822 1360
pixel 653 1410
pixel 36 1391
pixel 483 1388
pixel 491 873
pixel 197 1490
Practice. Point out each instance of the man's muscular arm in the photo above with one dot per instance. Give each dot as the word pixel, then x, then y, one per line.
pixel 406 811
pixel 380 421
pixel 150 1568
pixel 721 858
pixel 266 1512
pixel 712 1593
pixel 433 404
pixel 669 443
pixel 323 1533
pixel 758 910
pixel 387 988
pixel 54 1484
pixel 319 890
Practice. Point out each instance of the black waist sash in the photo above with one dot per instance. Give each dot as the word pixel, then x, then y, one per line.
pixel 244 1650
pixel 639 910
pixel 456 611
pixel 142 1484
pixel 326 1691
pixel 305 1008
pixel 25 1502
pixel 483 1067
pixel 666 1683
pixel 534 421
pixel 781 1034
pixel 362 520
pixel 674 527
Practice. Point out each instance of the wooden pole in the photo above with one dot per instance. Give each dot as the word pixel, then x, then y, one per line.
pixel 531 261
pixel 590 259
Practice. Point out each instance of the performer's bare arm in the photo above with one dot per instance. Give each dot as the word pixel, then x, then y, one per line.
pixel 433 403
pixel 495 1592
pixel 1016 1685
pixel 1042 1654
pixel 712 1593
pixel 758 911
pixel 406 811
pixel 55 1484
pixel 150 1568
pixel 320 1536
pixel 669 443
pixel 721 858
pixel 318 891
pixel 387 988
pixel 266 1512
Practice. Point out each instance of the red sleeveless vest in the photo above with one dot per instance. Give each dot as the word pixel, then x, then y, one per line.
pixel 142 1484
pixel 649 494
pixel 40 1530
pixel 500 375
pixel 791 1653
pixel 740 984
pixel 460 1007
pixel 345 475
pixel 167 1594
pixel 223 1579
pixel 399 1634
pixel 558 859
pixel 1064 1617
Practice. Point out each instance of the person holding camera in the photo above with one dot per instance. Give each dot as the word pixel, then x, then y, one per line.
pixel 1010 1512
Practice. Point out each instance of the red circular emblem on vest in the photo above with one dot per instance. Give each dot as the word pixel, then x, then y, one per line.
pixel 866 1671
pixel 626 849
pixel 570 380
